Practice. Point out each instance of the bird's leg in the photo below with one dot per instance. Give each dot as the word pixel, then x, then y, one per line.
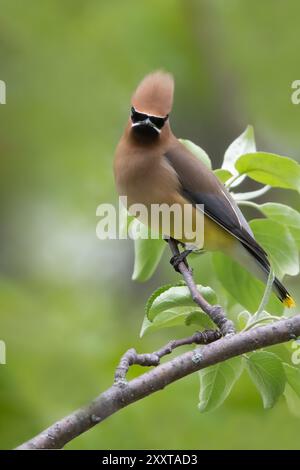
pixel 215 312
pixel 166 238
pixel 176 259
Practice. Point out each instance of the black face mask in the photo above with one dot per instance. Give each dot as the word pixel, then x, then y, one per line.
pixel 139 117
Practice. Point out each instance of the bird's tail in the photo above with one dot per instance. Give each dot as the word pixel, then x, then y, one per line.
pixel 283 294
pixel 257 263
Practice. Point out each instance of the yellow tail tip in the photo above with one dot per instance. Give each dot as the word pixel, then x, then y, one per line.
pixel 289 302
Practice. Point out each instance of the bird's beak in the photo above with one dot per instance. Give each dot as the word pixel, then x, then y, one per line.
pixel 146 124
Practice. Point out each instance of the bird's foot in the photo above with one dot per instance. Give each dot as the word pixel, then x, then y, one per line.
pixel 181 257
pixel 166 238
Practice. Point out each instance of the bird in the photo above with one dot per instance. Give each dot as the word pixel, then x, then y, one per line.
pixel 151 166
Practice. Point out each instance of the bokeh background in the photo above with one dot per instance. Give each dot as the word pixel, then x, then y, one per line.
pixel 68 306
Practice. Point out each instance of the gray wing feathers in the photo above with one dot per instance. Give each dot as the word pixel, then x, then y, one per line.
pixel 200 186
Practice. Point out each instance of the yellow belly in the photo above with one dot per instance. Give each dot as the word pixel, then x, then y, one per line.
pixel 198 230
pixel 214 237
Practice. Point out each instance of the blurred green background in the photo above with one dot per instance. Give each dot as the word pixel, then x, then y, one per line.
pixel 68 306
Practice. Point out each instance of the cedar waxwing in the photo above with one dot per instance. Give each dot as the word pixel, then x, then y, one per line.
pixel 153 167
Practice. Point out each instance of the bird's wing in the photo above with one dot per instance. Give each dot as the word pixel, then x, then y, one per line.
pixel 199 185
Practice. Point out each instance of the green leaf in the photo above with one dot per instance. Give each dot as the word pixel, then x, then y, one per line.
pixel 279 244
pixel 268 168
pixel 282 351
pixel 241 285
pixel 178 296
pixel 293 377
pixel 158 292
pixel 284 215
pixel 147 254
pixel 197 151
pixel 296 235
pixel 216 383
pixel 173 317
pixel 245 143
pixel 172 305
pixel 267 373
pixel 146 326
pixel 223 175
pixel 293 400
pixel 177 316
pixel 199 318
pixel 281 213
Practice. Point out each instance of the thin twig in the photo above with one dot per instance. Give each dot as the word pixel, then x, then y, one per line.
pixel 131 357
pixel 115 398
pixel 215 312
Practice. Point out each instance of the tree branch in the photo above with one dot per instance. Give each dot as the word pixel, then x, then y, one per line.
pixel 215 312
pixel 132 357
pixel 121 395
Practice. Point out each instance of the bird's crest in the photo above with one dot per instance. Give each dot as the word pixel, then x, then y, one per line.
pixel 154 95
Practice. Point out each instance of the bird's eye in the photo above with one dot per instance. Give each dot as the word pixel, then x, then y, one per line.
pixel 136 116
pixel 158 121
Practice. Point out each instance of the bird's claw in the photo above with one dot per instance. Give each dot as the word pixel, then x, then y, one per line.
pixel 177 259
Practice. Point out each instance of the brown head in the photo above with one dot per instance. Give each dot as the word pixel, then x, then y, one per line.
pixel 151 105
